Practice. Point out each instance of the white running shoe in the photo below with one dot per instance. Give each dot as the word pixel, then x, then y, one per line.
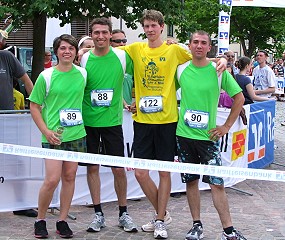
pixel 160 230
pixel 149 227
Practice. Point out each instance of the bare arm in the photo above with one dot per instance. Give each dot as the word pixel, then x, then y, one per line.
pixel 265 91
pixel 27 82
pixel 220 131
pixel 81 53
pixel 51 136
pixel 221 64
pixel 253 96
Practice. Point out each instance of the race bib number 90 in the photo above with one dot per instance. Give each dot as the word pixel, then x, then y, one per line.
pixel 196 119
pixel 151 104
pixel 70 117
pixel 101 97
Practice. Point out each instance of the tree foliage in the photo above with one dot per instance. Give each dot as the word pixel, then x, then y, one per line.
pixel 252 27
pixel 67 10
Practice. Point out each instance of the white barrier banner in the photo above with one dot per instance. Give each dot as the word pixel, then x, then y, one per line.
pixel 259 3
pixel 221 171
pixel 279 83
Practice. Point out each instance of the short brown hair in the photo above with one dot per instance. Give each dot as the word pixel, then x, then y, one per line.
pixel 67 38
pixel 152 15
pixel 200 32
pixel 118 31
pixel 101 21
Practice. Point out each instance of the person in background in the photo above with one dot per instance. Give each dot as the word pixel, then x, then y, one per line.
pixel 264 77
pixel 19 100
pixel 11 68
pixel 47 62
pixel 225 100
pixel 231 59
pixel 279 73
pixel 244 65
pixel 85 42
pixel 197 133
pixel 57 95
pixel 119 39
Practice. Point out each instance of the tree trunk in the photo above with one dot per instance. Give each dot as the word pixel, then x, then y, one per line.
pixel 39 35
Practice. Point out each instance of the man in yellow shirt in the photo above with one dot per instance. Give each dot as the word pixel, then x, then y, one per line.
pixel 156 117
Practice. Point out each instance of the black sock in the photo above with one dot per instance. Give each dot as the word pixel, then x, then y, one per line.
pixel 97 208
pixel 122 209
pixel 197 222
pixel 229 230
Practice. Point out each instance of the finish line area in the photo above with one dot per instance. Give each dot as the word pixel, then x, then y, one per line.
pixel 221 171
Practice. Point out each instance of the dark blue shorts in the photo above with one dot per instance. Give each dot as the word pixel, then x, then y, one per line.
pixel 199 152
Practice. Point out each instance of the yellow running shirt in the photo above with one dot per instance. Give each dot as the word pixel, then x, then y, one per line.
pixel 154 70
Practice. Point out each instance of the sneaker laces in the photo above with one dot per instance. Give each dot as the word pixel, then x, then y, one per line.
pixel 127 218
pixel 160 225
pixel 239 235
pixel 97 218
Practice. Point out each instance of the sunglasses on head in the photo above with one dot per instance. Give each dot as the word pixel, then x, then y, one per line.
pixel 119 40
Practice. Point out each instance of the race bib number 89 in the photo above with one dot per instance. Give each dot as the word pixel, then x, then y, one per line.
pixel 196 119
pixel 70 117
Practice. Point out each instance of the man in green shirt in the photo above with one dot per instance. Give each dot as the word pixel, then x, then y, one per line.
pixel 103 116
pixel 197 133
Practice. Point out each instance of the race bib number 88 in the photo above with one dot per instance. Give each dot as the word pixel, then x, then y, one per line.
pixel 102 97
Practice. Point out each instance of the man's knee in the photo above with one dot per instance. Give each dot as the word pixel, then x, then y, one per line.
pixel 93 169
pixel 119 172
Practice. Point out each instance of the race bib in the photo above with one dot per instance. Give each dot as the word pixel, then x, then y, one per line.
pixel 196 119
pixel 102 97
pixel 70 117
pixel 151 104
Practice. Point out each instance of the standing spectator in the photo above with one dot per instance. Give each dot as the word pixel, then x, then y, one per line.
pixel 58 94
pixel 10 69
pixel 103 117
pixel 279 73
pixel 279 69
pixel 85 42
pixel 244 65
pixel 47 62
pixel 119 39
pixel 197 133
pixel 19 100
pixel 264 78
pixel 231 59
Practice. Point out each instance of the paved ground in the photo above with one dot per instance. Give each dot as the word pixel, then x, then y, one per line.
pixel 258 217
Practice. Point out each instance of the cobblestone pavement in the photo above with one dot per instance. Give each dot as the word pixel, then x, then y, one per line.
pixel 258 217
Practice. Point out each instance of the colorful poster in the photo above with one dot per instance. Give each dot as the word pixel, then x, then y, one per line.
pixel 261 134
